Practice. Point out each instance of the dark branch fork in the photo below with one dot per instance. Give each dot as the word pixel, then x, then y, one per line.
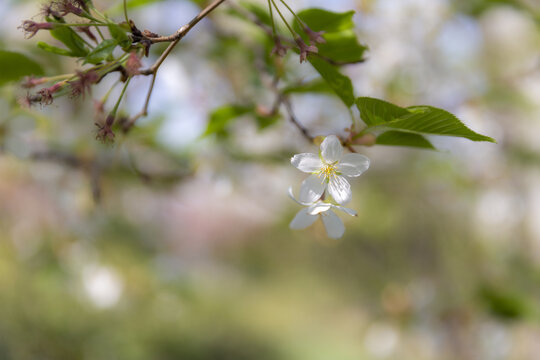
pixel 174 39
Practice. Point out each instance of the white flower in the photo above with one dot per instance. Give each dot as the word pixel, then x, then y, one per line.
pixel 314 209
pixel 327 169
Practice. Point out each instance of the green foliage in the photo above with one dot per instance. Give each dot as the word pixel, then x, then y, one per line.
pixel 431 120
pixel 15 66
pixel 375 111
pixel 341 45
pixel 53 49
pixel 221 117
pixel 415 120
pixel 399 138
pixel 328 21
pixel 504 303
pixel 71 39
pixel 260 11
pixel 316 86
pixel 340 83
pixel 119 34
pixel 101 52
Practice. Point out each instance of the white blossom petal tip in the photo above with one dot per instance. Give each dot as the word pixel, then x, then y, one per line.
pixel 302 220
pixel 306 162
pixel 333 224
pixel 340 189
pixel 347 210
pixel 353 164
pixel 291 195
pixel 331 149
pixel 311 189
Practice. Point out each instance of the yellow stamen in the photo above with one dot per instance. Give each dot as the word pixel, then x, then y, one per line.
pixel 327 171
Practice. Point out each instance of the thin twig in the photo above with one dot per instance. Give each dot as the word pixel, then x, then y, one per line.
pixel 180 33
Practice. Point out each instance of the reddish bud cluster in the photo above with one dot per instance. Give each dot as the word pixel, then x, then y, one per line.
pixel 83 83
pixel 47 93
pixel 133 64
pixel 305 49
pixel 32 27
pixel 104 132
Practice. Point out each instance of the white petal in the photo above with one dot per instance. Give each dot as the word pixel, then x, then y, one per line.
pixel 291 195
pixel 302 220
pixel 333 225
pixel 311 189
pixel 340 189
pixel 319 208
pixel 346 210
pixel 331 149
pixel 306 162
pixel 353 164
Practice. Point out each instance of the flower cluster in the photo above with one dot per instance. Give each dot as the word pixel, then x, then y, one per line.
pixel 328 172
pixel 98 54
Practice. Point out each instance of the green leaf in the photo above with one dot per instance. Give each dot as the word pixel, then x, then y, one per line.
pixel 328 21
pixel 15 66
pixel 101 52
pixel 261 12
pixel 54 49
pixel 374 111
pixel 398 138
pixel 71 39
pixel 414 119
pixel 316 86
pixel 221 117
pixel 265 121
pixel 340 83
pixel 504 303
pixel 431 120
pixel 341 45
pixel 119 34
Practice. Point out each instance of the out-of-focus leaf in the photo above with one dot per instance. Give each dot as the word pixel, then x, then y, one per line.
pixel 504 303
pixel 54 49
pixel 71 39
pixel 398 138
pixel 264 122
pixel 119 34
pixel 340 83
pixel 101 52
pixel 14 66
pixel 316 86
pixel 341 45
pixel 221 117
pixel 260 11
pixel 328 21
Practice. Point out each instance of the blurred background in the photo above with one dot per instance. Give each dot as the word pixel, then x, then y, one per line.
pixel 172 246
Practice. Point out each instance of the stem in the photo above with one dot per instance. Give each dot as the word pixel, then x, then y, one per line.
pixel 294 14
pixel 100 33
pixel 284 20
pixel 180 33
pixel 81 24
pixel 272 18
pixel 113 112
pixel 126 12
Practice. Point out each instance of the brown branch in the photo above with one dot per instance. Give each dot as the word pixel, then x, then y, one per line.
pixel 180 33
pixel 174 39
